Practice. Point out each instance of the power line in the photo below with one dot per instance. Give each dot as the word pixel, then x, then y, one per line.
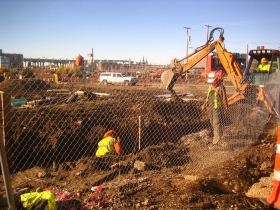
pixel 248 22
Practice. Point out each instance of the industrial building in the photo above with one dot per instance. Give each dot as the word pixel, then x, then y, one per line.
pixel 14 60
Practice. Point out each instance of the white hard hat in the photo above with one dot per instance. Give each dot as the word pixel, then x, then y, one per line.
pixel 211 77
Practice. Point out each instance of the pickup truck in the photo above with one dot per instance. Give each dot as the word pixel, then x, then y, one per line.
pixel 117 78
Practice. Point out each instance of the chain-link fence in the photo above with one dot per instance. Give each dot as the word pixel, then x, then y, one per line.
pixel 53 130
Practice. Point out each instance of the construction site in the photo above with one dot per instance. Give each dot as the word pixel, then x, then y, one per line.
pixel 52 130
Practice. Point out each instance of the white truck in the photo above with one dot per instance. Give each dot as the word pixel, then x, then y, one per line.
pixel 117 78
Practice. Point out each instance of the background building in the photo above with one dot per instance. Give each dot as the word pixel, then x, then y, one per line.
pixel 4 62
pixel 16 60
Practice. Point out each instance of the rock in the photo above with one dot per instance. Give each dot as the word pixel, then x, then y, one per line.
pixel 146 202
pixel 139 165
pixel 41 174
pixel 138 205
pixel 266 164
pixel 190 177
pixel 115 165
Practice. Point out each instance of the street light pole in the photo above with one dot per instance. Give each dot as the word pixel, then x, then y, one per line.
pixel 187 29
pixel 206 58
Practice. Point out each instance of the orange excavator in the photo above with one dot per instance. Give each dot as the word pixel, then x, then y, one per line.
pixel 249 86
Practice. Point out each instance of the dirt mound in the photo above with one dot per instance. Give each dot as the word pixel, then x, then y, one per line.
pixel 161 183
pixel 24 84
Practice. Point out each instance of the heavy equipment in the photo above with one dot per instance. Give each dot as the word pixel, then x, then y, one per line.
pixel 249 86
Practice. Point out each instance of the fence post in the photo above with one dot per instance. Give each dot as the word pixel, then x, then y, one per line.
pixel 139 132
pixel 5 103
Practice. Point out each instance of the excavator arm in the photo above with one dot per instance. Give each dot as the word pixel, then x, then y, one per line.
pixel 229 63
pixel 170 77
pixel 230 66
pixel 233 71
pixel 227 59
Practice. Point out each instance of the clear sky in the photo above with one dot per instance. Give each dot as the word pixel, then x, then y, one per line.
pixel 133 29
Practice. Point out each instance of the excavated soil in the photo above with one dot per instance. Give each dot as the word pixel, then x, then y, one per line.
pixel 179 171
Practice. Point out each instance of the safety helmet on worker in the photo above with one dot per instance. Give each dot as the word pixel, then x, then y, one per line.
pixel 264 60
pixel 215 76
pixel 111 133
pixel 211 77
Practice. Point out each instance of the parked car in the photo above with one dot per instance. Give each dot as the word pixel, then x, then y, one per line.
pixel 117 78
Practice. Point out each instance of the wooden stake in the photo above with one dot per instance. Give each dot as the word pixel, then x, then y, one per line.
pixel 139 133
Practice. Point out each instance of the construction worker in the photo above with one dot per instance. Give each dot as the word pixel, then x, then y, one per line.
pixel 109 145
pixel 264 66
pixel 216 101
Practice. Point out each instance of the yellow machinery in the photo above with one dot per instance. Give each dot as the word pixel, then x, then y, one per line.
pixel 241 81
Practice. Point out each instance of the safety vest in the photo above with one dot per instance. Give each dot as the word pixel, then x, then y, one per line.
pixel 217 101
pixel 29 200
pixel 263 67
pixel 106 146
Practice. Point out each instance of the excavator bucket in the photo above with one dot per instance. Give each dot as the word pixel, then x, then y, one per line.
pixel 168 79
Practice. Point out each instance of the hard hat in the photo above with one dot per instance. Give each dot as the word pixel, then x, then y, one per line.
pixel 263 60
pixel 111 133
pixel 211 77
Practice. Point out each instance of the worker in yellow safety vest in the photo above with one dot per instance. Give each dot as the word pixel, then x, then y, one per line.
pixel 216 102
pixel 109 145
pixel 264 66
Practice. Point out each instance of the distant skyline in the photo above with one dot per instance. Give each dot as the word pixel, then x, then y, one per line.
pixel 133 29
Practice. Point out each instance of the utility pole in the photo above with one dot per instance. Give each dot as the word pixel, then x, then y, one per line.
pixel 92 59
pixel 187 29
pixel 206 58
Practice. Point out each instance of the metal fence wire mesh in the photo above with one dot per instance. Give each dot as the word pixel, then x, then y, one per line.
pixel 53 130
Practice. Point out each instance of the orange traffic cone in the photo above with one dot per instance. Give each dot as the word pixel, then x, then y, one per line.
pixel 274 198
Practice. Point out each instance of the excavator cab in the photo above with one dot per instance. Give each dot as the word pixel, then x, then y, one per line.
pixel 259 78
pixel 267 82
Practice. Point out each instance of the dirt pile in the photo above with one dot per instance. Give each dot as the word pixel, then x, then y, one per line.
pixel 24 88
pixel 162 184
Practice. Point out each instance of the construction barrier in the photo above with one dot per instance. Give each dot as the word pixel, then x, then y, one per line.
pixel 274 198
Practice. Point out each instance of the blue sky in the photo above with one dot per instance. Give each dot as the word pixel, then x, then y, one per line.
pixel 123 29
